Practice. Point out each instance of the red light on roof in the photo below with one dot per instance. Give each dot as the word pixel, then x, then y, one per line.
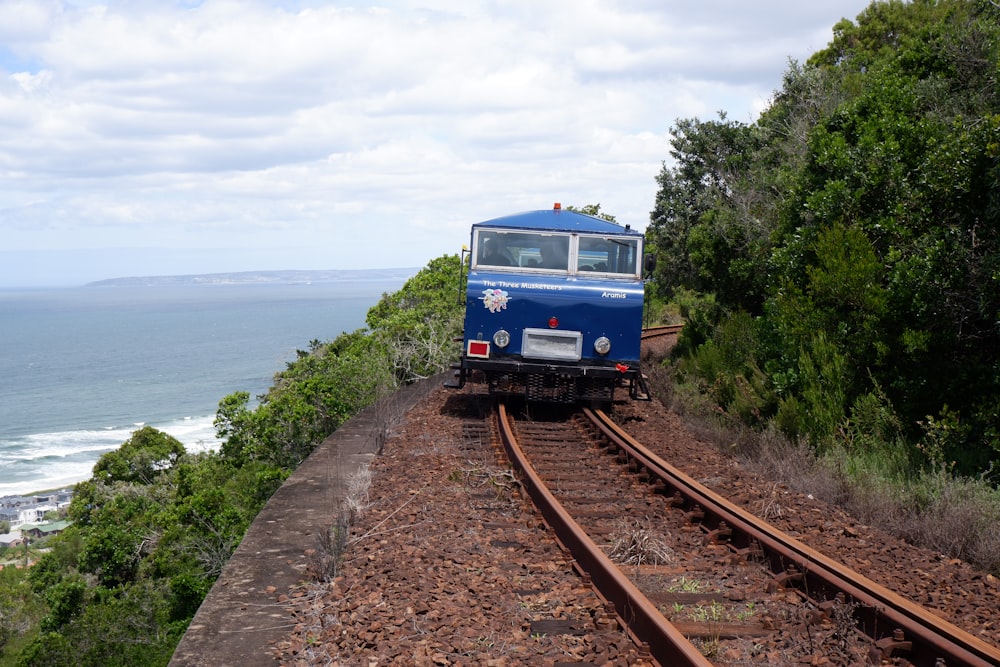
pixel 553 322
pixel 557 206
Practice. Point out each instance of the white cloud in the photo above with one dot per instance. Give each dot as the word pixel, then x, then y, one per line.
pixel 323 128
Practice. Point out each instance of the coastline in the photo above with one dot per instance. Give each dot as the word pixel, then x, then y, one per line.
pixel 86 366
pixel 57 460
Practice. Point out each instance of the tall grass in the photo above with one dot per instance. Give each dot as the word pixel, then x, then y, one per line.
pixel 864 467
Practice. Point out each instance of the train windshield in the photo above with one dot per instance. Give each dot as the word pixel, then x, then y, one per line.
pixel 524 250
pixel 607 254
pixel 556 253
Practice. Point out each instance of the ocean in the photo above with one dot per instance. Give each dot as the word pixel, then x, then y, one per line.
pixel 82 368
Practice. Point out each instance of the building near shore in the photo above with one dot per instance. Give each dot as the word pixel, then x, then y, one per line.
pixel 20 511
pixel 10 540
pixel 44 529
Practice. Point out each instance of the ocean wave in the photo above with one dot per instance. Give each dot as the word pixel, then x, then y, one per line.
pixel 50 460
pixel 99 360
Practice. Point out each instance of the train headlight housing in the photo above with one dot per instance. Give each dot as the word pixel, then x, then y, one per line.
pixel 602 345
pixel 501 339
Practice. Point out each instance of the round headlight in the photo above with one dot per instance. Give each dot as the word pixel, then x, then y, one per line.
pixel 602 345
pixel 501 338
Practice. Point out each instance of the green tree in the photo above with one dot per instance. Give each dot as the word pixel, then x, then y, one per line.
pixel 417 324
pixel 594 210
pixel 20 610
pixel 310 399
pixel 857 221
pixel 65 601
pixel 140 459
pixel 707 227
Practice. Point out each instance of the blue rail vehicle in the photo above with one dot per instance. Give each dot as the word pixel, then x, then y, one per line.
pixel 554 308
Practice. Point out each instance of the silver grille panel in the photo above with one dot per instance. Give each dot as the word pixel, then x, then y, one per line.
pixel 551 344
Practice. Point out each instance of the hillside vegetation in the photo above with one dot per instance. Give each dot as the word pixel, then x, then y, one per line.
pixel 838 262
pixel 154 526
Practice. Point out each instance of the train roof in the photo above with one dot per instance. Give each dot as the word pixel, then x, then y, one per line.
pixel 558 219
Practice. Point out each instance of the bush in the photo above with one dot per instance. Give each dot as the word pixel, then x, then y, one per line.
pixel 155 526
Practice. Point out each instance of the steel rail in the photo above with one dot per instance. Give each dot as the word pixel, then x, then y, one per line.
pixel 661 330
pixel 882 611
pixel 642 619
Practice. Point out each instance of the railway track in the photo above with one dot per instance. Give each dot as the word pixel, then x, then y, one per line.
pixel 760 588
pixel 661 330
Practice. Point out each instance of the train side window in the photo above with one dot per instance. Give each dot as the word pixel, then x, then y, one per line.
pixel 492 249
pixel 524 249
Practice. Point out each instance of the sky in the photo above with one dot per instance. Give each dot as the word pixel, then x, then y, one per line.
pixel 166 137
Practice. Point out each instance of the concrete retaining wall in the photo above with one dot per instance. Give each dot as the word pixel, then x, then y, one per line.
pixel 240 618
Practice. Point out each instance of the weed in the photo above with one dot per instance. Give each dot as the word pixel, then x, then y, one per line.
pixel 685 585
pixel 747 613
pixel 358 485
pixel 710 647
pixel 634 544
pixel 714 612
pixel 501 481
pixel 323 561
pixel 770 508
pixel 840 643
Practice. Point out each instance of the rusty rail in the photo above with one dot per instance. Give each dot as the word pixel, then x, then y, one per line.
pixel 661 330
pixel 893 622
pixel 642 619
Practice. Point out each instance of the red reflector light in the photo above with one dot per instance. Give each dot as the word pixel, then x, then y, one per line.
pixel 553 322
pixel 478 348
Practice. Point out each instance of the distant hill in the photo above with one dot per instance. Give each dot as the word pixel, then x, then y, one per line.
pixel 297 277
